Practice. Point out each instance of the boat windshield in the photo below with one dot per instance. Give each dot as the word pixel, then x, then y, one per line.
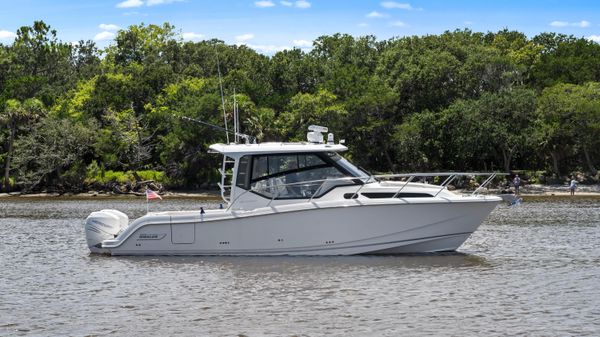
pixel 296 175
pixel 348 166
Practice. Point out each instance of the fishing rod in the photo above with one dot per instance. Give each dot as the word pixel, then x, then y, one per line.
pixel 222 96
pixel 236 124
pixel 247 138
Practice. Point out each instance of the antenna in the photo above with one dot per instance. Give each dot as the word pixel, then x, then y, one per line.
pixel 222 97
pixel 236 118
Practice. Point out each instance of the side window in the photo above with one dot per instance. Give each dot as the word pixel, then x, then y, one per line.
pixel 260 167
pixel 242 177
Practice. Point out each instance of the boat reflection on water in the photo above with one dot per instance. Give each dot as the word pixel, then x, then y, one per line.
pixel 301 264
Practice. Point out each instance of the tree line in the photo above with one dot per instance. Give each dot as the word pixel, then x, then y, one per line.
pixel 74 115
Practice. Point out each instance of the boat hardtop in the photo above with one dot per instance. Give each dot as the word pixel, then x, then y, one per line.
pixel 234 150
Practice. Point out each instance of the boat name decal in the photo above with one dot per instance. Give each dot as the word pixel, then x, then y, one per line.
pixel 144 236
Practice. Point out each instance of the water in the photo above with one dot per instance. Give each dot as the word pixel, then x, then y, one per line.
pixel 530 270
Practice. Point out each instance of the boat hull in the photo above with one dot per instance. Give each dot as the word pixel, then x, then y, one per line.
pixel 315 229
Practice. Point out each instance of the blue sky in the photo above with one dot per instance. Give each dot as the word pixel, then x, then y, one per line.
pixel 272 25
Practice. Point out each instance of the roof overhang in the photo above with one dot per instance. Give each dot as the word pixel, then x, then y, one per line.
pixel 238 150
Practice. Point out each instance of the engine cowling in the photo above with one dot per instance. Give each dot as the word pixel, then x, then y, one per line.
pixel 103 225
pixel 123 218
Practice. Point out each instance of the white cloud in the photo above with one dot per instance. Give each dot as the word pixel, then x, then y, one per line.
pixel 595 38
pixel 109 26
pixel 7 35
pixel 398 24
pixel 397 5
pixel 363 24
pixel 302 43
pixel 244 37
pixel 375 14
pixel 191 36
pixel 302 4
pixel 468 23
pixel 104 36
pixel 582 24
pixel 286 3
pixel 130 3
pixel 264 3
pixel 559 23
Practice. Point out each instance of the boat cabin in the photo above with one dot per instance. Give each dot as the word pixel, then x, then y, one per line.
pixel 284 171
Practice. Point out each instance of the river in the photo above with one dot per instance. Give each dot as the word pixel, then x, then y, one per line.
pixel 531 269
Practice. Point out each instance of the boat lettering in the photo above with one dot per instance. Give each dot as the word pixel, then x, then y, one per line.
pixel 145 236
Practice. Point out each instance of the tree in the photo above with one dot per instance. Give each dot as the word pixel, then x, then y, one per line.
pixel 568 117
pixel 53 146
pixel 508 117
pixel 303 110
pixel 40 65
pixel 291 72
pixel 565 59
pixel 85 59
pixel 15 115
pixel 261 124
pixel 182 145
pixel 125 140
pixel 146 54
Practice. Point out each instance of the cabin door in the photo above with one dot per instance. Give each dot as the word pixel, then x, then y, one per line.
pixel 183 233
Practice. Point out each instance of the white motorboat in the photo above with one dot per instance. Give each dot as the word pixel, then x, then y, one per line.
pixel 302 199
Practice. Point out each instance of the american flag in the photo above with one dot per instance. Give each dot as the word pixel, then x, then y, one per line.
pixel 151 195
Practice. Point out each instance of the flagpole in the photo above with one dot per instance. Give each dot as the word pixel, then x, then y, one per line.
pixel 146 205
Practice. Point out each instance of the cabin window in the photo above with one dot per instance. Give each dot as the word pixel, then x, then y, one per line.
pixel 384 195
pixel 242 174
pixel 293 176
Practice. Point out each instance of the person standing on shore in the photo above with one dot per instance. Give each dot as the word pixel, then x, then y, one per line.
pixel 517 184
pixel 573 185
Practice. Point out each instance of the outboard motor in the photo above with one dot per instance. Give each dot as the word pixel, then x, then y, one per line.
pixel 103 225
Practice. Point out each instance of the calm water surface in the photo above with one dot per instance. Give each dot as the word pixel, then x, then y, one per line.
pixel 531 270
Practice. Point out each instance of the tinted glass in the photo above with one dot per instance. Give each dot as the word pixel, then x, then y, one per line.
pixel 293 176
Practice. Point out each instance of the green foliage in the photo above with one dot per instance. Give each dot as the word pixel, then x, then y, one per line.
pixel 53 147
pixel 460 100
pixel 321 108
pixel 568 123
pixel 95 175
pixel 157 176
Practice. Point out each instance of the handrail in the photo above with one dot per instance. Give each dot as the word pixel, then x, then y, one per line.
pixel 446 183
pixel 307 182
pixel 403 186
pixel 451 176
pixel 485 183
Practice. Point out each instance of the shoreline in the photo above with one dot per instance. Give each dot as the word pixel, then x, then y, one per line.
pixel 528 192
pixel 201 195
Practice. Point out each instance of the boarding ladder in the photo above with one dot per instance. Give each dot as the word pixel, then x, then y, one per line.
pixel 226 183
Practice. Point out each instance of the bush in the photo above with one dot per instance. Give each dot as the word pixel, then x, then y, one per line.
pixel 157 176
pixel 96 176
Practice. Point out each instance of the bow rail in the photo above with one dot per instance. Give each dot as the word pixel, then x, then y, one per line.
pixel 406 178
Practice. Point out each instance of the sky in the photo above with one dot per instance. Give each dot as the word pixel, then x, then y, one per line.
pixel 272 25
